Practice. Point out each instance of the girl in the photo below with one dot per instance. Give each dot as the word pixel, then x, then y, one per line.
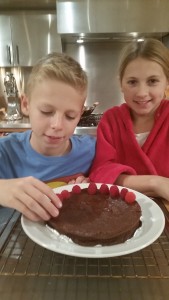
pixel 135 135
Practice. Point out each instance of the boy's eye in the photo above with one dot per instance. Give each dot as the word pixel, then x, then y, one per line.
pixel 70 117
pixel 46 112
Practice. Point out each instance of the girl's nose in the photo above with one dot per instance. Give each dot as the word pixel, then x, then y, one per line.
pixel 142 90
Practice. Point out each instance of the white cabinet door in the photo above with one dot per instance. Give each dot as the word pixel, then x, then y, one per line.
pixel 24 38
pixel 6 54
pixel 34 35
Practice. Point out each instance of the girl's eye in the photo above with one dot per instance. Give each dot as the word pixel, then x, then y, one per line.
pixel 153 81
pixel 132 82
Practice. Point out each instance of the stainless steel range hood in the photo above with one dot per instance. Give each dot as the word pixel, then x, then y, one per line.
pixel 113 19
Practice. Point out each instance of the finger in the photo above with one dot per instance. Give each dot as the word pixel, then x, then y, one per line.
pixel 31 216
pixel 29 205
pixel 46 190
pixel 72 181
pixel 80 179
pixel 86 180
pixel 23 209
pixel 41 189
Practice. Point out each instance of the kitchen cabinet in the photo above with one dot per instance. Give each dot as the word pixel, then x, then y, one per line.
pixel 26 37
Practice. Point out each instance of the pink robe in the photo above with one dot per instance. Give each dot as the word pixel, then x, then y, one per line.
pixel 118 151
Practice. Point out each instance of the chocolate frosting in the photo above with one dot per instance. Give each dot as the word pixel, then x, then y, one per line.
pixel 97 219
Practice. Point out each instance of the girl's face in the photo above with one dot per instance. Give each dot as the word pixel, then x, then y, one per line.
pixel 54 111
pixel 143 85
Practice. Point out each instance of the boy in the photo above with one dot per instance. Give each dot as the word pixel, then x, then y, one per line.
pixel 56 92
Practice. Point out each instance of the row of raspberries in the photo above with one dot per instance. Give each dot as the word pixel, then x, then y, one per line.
pixel 92 189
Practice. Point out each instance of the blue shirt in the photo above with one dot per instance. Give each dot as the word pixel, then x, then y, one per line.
pixel 19 159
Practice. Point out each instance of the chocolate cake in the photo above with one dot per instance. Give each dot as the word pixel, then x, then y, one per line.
pixel 93 216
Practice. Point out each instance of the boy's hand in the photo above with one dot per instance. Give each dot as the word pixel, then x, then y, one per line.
pixel 79 179
pixel 31 197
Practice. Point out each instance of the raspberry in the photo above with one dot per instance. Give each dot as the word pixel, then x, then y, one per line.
pixel 130 197
pixel 114 191
pixel 76 189
pixel 60 196
pixel 104 189
pixel 65 194
pixel 92 188
pixel 123 193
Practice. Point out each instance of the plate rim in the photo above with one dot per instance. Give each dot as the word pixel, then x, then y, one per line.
pixel 27 226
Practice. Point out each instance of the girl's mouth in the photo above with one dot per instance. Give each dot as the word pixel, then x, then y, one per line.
pixel 142 103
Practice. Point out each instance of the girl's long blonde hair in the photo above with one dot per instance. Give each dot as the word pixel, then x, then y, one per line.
pixel 150 49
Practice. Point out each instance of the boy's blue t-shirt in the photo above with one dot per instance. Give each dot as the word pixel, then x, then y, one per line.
pixel 19 159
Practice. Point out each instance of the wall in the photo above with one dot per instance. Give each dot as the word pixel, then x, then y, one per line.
pixel 100 61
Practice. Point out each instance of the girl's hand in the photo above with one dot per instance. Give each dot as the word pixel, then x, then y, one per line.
pixel 79 179
pixel 31 197
pixel 161 187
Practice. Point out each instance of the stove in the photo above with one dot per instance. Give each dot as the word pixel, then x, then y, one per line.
pixel 90 121
pixel 88 124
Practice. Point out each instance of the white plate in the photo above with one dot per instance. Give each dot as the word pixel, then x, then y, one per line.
pixel 153 222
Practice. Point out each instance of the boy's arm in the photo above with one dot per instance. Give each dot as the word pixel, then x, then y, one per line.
pixel 79 179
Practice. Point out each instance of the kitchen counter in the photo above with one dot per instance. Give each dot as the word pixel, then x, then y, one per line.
pixel 12 126
pixel 29 271
pixel 23 124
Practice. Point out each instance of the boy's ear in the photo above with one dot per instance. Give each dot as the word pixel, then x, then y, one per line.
pixel 83 109
pixel 25 105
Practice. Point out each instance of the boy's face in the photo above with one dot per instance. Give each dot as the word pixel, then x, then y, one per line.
pixel 54 110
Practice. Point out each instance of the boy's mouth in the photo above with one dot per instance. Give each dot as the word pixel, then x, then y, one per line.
pixel 54 138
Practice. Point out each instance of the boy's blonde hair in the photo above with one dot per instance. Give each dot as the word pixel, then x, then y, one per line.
pixel 60 67
pixel 150 49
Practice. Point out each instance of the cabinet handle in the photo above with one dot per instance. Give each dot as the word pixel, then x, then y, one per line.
pixel 17 54
pixel 9 54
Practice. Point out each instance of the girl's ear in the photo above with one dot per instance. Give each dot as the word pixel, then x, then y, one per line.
pixel 24 105
pixel 120 84
pixel 121 88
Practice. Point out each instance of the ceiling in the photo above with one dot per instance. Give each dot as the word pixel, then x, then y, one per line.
pixel 27 4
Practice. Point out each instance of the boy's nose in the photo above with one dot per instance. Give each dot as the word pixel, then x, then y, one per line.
pixel 57 122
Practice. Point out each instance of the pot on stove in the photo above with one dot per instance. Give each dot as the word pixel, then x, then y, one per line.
pixel 89 109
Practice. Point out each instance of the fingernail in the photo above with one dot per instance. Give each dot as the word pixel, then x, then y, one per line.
pixel 60 204
pixel 55 213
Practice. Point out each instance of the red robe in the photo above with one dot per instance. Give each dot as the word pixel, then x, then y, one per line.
pixel 117 150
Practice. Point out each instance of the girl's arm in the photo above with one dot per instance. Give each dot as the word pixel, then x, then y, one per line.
pixel 151 185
